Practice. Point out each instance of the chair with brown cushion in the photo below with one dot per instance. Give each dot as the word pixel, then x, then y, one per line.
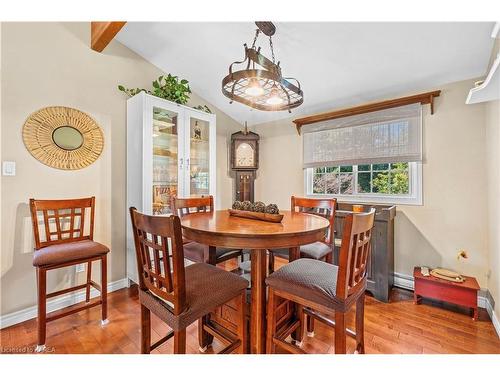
pixel 180 295
pixel 317 250
pixel 63 242
pixel 194 251
pixel 324 290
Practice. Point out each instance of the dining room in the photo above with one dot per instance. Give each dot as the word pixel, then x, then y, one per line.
pixel 290 186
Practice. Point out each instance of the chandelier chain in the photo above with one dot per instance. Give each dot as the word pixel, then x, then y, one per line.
pixel 255 38
pixel 257 32
pixel 272 49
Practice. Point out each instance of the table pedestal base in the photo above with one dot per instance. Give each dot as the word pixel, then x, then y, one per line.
pixel 258 302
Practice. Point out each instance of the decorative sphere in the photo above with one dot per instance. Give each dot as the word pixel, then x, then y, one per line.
pixel 247 206
pixel 259 207
pixel 237 205
pixel 272 209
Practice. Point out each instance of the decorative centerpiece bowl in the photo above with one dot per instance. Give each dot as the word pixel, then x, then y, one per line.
pixel 256 211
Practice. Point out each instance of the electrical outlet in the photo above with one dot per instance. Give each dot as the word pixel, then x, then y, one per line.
pixel 80 268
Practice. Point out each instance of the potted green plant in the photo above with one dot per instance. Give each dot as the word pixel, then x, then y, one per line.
pixel 166 87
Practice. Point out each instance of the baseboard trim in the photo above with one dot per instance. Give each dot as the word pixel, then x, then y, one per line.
pixel 403 281
pixel 406 282
pixel 53 304
pixel 493 316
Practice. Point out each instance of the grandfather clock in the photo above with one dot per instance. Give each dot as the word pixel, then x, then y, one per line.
pixel 244 161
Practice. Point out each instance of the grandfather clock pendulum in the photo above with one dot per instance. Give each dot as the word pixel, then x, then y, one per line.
pixel 245 162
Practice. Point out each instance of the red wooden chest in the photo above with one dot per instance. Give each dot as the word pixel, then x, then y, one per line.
pixel 464 294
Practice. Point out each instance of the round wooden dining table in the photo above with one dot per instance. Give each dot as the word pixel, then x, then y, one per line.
pixel 219 229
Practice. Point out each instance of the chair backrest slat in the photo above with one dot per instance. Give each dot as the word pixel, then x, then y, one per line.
pixel 46 225
pixel 58 224
pixel 55 213
pixel 157 256
pixel 160 257
pixel 71 222
pixel 186 206
pixel 82 220
pixel 321 207
pixel 354 252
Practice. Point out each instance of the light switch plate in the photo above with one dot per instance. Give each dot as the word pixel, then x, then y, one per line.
pixel 9 168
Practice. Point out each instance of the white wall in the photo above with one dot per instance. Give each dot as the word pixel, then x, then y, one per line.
pixel 493 168
pixel 47 64
pixel 454 177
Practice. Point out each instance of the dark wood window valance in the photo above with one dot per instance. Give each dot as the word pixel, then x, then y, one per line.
pixel 425 98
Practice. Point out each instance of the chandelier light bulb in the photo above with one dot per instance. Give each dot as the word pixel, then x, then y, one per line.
pixel 275 98
pixel 254 88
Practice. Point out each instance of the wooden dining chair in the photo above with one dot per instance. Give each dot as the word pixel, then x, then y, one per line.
pixel 194 251
pixel 180 295
pixel 64 242
pixel 321 250
pixel 323 290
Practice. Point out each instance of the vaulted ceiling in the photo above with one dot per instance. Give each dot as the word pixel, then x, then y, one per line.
pixel 337 64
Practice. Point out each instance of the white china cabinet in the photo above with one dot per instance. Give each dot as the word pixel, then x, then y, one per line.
pixel 170 152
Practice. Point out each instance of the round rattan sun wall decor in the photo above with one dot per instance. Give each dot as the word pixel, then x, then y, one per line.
pixel 63 138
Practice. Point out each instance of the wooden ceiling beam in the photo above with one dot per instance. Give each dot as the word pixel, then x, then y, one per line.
pixel 424 98
pixel 102 33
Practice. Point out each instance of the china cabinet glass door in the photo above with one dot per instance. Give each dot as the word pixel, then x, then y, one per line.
pixel 165 136
pixel 198 164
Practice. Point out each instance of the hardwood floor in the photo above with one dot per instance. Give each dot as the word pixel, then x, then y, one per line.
pixel 396 327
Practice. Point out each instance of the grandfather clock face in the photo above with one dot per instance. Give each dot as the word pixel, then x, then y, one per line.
pixel 244 151
pixel 244 156
pixel 244 161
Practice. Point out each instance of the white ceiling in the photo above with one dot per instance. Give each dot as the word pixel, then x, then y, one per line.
pixel 337 64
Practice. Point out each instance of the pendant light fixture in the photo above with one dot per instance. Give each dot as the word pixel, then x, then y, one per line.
pixel 260 84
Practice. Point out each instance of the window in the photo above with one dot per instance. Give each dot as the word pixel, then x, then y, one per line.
pixel 382 183
pixel 373 157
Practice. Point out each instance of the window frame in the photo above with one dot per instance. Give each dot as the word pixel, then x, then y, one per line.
pixel 414 198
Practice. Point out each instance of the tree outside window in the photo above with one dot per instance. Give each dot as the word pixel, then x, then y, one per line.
pixel 388 178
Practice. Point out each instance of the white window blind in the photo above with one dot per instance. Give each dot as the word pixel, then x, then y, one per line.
pixel 386 136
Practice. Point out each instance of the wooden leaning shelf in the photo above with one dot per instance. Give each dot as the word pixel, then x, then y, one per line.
pixel 273 218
